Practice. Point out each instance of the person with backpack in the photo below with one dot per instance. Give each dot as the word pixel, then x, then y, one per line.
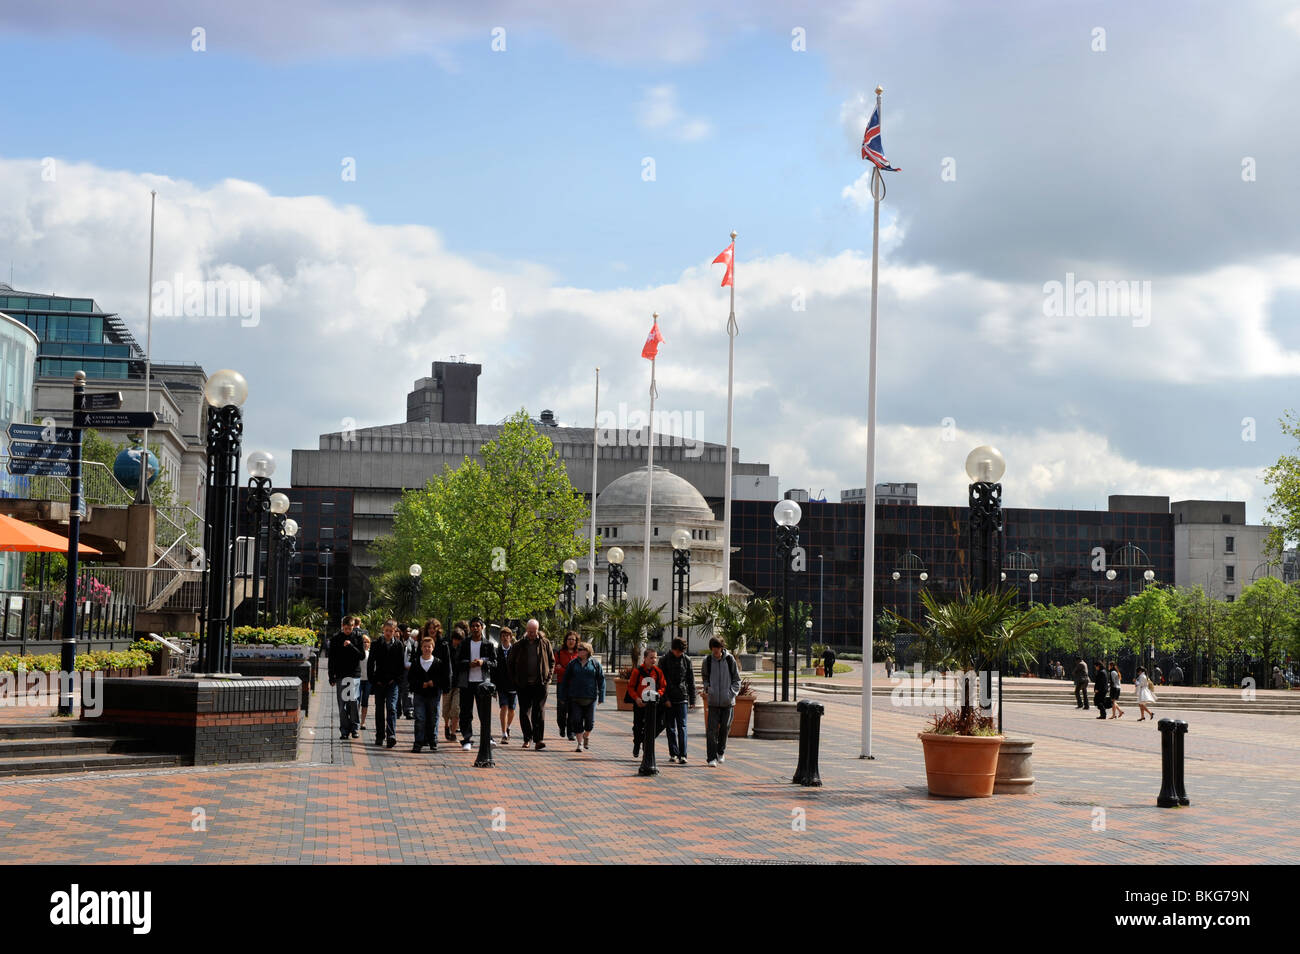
pixel 721 678
pixel 679 675
pixel 586 689
pixel 1116 685
pixel 647 673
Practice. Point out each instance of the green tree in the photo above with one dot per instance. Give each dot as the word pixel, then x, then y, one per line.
pixel 1264 617
pixel 1146 618
pixel 1202 628
pixel 1078 630
pixel 1283 479
pixel 491 537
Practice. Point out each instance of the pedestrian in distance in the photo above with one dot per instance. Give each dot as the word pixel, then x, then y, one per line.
pixel 410 650
pixel 1101 691
pixel 507 697
pixel 586 689
pixel 451 697
pixel 1116 686
pixel 721 678
pixel 889 667
pixel 345 659
pixel 476 662
pixel 1176 675
pixel 563 656
pixel 1080 676
pixel 828 662
pixel 646 674
pixel 679 675
pixel 425 683
pixel 1145 696
pixel 364 696
pixel 386 669
pixel 532 661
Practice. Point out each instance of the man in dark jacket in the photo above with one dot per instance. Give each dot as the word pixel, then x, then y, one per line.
pixel 476 661
pixel 1101 694
pixel 1080 676
pixel 532 660
pixel 828 662
pixel 345 655
pixel 387 668
pixel 679 674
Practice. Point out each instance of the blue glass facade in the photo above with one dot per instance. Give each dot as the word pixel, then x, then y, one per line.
pixel 75 334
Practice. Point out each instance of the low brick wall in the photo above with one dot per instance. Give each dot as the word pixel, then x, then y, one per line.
pixel 209 721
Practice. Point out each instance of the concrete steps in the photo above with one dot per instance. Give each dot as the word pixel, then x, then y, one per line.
pixel 73 747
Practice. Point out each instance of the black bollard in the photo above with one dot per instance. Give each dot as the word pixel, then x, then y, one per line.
pixel 812 773
pixel 1168 797
pixel 483 698
pixel 802 767
pixel 1180 733
pixel 650 728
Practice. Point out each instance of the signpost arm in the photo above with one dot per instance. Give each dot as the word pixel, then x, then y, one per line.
pixel 68 660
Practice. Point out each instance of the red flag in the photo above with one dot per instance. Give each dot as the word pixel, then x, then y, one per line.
pixel 727 257
pixel 652 340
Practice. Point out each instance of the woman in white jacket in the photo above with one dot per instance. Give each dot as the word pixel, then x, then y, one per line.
pixel 1144 694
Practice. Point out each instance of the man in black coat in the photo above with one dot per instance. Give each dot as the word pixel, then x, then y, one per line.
pixel 387 669
pixel 828 662
pixel 476 661
pixel 1101 695
pixel 679 676
pixel 345 655
pixel 1080 676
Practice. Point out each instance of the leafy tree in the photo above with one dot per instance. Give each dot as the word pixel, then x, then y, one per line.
pixel 1284 499
pixel 1264 617
pixel 1146 618
pixel 1078 630
pixel 1202 626
pixel 491 537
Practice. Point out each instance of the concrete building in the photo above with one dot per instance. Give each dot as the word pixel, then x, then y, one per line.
pixel 892 494
pixel 378 463
pixel 1215 548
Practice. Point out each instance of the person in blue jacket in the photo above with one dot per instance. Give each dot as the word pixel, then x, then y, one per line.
pixel 585 687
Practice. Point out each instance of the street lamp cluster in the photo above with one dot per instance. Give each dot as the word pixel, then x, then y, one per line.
pixel 266 511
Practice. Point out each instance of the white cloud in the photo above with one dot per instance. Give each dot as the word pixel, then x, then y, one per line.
pixel 659 112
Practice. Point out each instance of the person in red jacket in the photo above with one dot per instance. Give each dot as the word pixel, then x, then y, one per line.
pixel 566 653
pixel 644 675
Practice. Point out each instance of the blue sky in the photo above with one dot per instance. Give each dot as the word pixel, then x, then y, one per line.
pixel 520 172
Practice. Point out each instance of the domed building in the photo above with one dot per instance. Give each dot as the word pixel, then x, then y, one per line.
pixel 675 504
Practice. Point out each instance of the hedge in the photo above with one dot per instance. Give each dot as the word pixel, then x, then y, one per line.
pixel 85 662
pixel 276 635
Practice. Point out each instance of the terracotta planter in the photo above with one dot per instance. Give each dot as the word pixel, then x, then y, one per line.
pixel 740 719
pixel 960 766
pixel 620 690
pixel 821 671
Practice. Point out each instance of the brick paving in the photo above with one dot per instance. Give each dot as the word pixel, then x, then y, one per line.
pixel 352 802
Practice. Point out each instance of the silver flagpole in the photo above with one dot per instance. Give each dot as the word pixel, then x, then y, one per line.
pixel 732 331
pixel 142 490
pixel 650 473
pixel 595 460
pixel 869 544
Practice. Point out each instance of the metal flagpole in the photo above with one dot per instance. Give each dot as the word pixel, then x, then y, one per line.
pixel 142 490
pixel 650 470
pixel 732 330
pixel 869 545
pixel 595 460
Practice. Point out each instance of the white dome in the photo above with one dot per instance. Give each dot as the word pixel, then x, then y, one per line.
pixel 669 492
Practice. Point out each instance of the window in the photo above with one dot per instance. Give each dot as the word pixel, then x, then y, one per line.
pixel 1229 598
pixel 1230 573
pixel 656 531
pixel 1227 518
pixel 1227 544
pixel 654 584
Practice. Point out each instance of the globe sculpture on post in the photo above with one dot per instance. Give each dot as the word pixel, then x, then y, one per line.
pixel 126 467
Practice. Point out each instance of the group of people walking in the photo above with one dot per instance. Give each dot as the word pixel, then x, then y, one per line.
pixel 435 678
pixel 1108 686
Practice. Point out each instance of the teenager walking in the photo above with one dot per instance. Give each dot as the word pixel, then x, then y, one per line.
pixel 476 662
pixel 1116 686
pixel 507 697
pixel 1146 698
pixel 386 670
pixel 647 672
pixel 721 678
pixel 451 695
pixel 679 674
pixel 345 658
pixel 364 696
pixel 425 684
pixel 586 689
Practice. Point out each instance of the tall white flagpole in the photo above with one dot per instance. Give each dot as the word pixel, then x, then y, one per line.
pixel 142 490
pixel 869 545
pixel 650 471
pixel 595 460
pixel 732 331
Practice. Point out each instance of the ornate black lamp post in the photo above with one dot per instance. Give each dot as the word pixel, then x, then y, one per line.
pixel 570 585
pixel 417 577
pixel 275 550
pixel 617 581
pixel 985 467
pixel 790 554
pixel 261 467
pixel 681 574
pixel 288 553
pixel 225 392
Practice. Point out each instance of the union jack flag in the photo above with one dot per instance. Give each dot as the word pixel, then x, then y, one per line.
pixel 871 147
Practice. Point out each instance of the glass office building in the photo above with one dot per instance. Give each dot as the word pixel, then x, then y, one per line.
pixel 75 335
pixel 1058 545
pixel 18 348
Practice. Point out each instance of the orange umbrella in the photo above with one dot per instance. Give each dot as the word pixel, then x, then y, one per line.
pixel 19 537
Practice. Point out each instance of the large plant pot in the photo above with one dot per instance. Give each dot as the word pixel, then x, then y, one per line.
pixel 775 720
pixel 740 718
pixel 960 766
pixel 620 690
pixel 1015 767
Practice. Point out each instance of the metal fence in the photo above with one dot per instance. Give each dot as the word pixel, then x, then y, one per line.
pixel 37 616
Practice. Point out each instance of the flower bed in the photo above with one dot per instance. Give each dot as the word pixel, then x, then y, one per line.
pixel 274 642
pixel 96 661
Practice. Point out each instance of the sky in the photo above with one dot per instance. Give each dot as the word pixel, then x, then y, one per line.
pixel 401 182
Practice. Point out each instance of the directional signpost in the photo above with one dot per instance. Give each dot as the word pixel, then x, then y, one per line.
pixel 115 420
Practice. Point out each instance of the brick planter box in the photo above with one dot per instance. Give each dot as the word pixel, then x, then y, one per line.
pixel 281 668
pixel 208 721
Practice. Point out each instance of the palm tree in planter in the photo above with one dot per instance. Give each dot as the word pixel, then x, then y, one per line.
pixel 969 633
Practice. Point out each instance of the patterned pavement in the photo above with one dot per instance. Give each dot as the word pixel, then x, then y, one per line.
pixel 353 802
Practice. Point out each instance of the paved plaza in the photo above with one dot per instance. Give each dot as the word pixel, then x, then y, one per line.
pixel 353 802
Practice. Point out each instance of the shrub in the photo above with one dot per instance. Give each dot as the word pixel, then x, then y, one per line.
pixel 276 636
